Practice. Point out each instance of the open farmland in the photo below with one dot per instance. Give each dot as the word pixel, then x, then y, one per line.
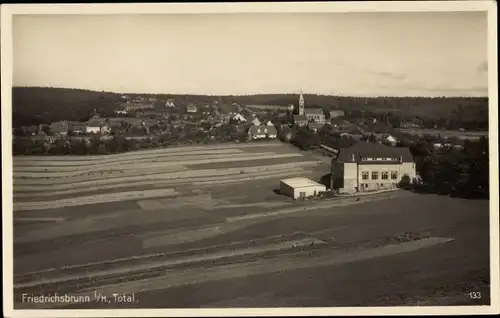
pixel 471 135
pixel 202 227
pixel 49 182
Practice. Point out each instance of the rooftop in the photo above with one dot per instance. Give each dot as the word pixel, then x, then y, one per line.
pixel 368 149
pixel 317 111
pixel 300 182
pixel 299 117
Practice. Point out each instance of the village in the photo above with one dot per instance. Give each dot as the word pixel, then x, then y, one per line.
pixel 151 122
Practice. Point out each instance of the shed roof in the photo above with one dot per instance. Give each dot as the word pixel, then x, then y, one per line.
pixel 300 182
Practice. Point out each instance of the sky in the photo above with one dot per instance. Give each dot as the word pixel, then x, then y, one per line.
pixel 350 54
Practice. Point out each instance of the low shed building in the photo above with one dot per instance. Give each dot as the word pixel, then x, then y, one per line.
pixel 300 188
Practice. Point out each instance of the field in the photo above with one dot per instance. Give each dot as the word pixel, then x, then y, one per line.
pixel 202 227
pixel 471 135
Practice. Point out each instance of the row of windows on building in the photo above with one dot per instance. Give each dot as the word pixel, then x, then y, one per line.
pixel 365 175
pixel 381 159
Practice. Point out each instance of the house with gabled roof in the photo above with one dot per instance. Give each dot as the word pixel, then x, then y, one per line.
pixel 256 121
pixel 191 108
pixel 97 126
pixel 262 132
pixel 170 103
pixel 239 118
pixel 371 166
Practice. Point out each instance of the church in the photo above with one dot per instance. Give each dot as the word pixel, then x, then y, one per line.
pixel 303 116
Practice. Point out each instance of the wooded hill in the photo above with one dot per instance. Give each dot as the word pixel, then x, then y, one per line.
pixel 39 105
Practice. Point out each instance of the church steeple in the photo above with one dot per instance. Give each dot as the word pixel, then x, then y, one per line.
pixel 301 104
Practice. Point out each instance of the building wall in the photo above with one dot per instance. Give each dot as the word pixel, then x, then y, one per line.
pixel 410 169
pixel 319 118
pixel 350 177
pixel 308 191
pixel 295 193
pixel 381 171
pixel 93 130
pixel 285 189
pixel 336 113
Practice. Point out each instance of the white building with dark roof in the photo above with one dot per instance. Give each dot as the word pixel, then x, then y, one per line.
pixel 262 132
pixel 371 166
pixel 301 188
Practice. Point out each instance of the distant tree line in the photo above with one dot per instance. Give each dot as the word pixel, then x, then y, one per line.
pixel 36 105
pixel 119 144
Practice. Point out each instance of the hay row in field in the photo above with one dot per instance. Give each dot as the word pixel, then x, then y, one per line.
pixel 93 199
pixel 177 182
pixel 119 160
pixel 161 165
pixel 138 164
pixel 102 175
pixel 162 176
pixel 290 174
pixel 140 153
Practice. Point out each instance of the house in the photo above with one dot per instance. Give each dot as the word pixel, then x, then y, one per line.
pixel 59 128
pixel 170 103
pixel 225 118
pixel 239 118
pixel 121 112
pixel 315 126
pixel 97 126
pixel 245 112
pixel 79 128
pixel 371 166
pixel 300 188
pixel 261 132
pixel 191 108
pixel 388 139
pixel 128 107
pixel 300 120
pixel 256 122
pixel 314 114
pixel 336 113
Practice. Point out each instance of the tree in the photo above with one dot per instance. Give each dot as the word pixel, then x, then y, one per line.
pixel 306 139
pixel 405 181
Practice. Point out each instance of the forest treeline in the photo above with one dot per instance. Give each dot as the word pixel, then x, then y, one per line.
pixel 39 105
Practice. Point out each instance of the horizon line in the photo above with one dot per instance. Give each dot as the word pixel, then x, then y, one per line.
pixel 253 94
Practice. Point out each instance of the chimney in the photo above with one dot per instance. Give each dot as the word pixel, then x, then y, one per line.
pixel 352 158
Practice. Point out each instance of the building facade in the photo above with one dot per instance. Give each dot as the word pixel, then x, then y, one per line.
pixel 371 166
pixel 315 114
pixel 262 132
pixel 300 188
pixel 300 120
pixel 191 108
pixel 336 113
